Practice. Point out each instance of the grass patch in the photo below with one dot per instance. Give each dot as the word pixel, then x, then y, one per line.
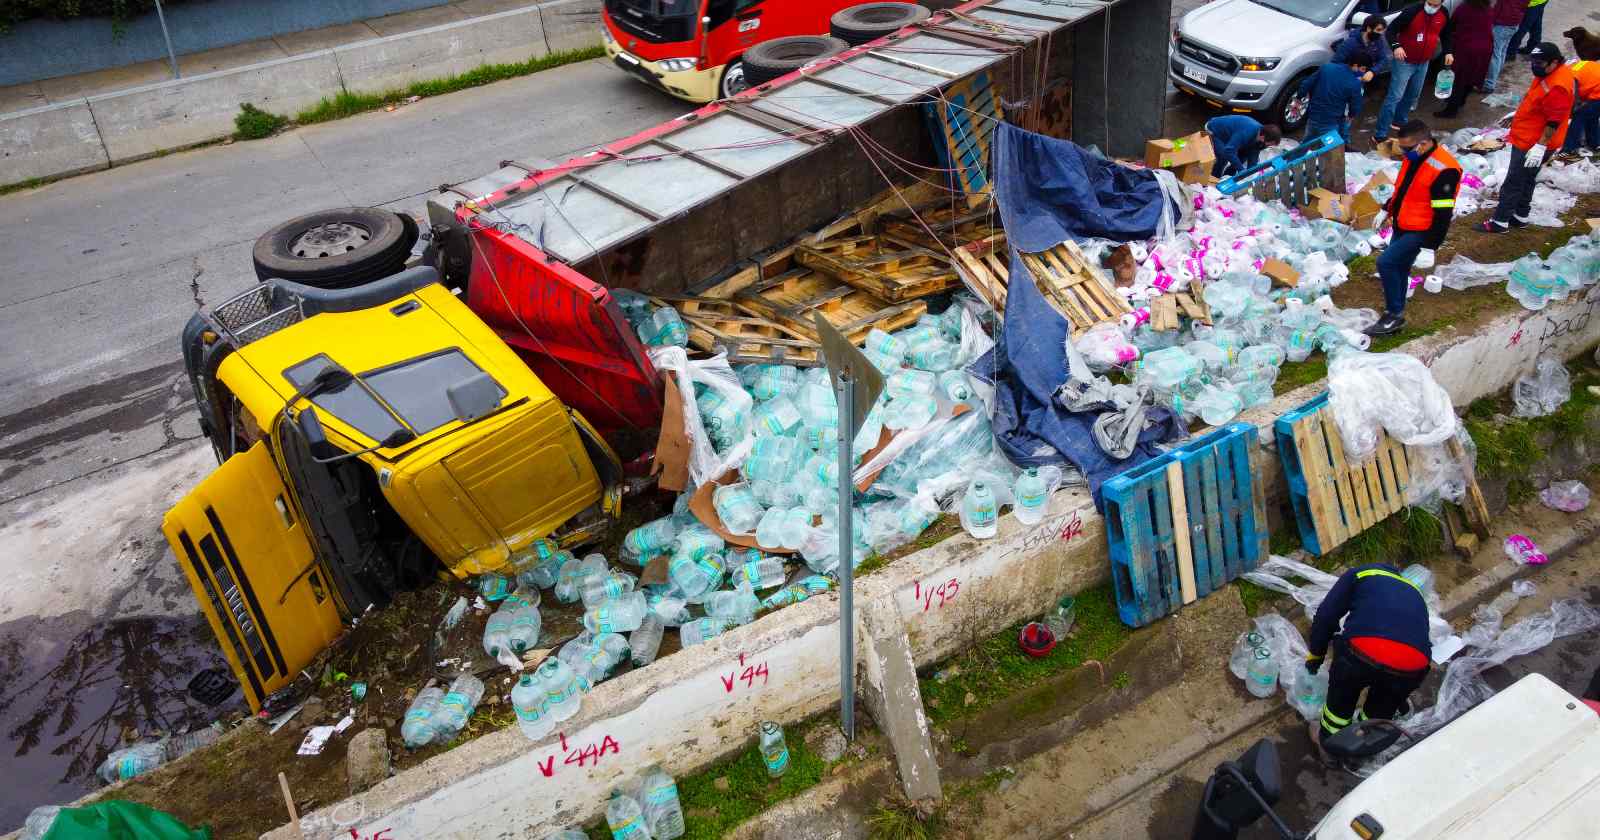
pixel 252 123
pixel 348 104
pixel 995 668
pixel 710 812
pixel 896 821
pixel 1410 536
pixel 1507 445
pixel 1253 597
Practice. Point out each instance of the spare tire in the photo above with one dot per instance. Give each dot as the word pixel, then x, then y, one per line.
pixel 870 21
pixel 336 249
pixel 778 57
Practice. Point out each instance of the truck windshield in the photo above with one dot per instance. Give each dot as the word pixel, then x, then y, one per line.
pixel 656 21
pixel 1319 12
pixel 416 389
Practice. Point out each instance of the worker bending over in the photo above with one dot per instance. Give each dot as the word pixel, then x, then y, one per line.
pixel 1382 650
pixel 1237 141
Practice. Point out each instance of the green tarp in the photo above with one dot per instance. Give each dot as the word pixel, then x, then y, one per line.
pixel 117 820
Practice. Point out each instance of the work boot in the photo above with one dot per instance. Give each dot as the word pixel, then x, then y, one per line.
pixel 1387 325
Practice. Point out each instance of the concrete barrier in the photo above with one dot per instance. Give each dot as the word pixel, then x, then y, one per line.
pixel 695 707
pixel 128 125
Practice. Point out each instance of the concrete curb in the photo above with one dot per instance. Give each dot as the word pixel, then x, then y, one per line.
pixel 105 130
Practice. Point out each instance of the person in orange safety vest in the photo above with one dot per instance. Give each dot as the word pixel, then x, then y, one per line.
pixel 1584 132
pixel 1422 206
pixel 1538 126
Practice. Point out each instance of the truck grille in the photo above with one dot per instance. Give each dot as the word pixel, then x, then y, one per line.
pixel 250 316
pixel 1215 59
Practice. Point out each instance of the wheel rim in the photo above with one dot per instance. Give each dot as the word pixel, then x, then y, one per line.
pixel 1295 110
pixel 329 239
pixel 733 80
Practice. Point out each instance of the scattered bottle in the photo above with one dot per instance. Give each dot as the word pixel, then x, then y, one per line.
pixel 668 603
pixel 531 703
pixel 497 633
pixel 1032 492
pixel 769 381
pixel 526 622
pixel 1244 650
pixel 543 571
pixel 1261 677
pixel 761 573
pixel 617 615
pixel 695 573
pixel 645 641
pixel 935 356
pixel 129 762
pixel 777 417
pixel 597 589
pixel 771 459
pixel 625 818
pixel 883 343
pixel 664 328
pixel 737 507
pixel 662 810
pixel 495 588
pixel 570 582
pixel 457 705
pixel 421 723
pixel 980 510
pixel 563 694
pixel 1310 690
pixel 774 751
pixel 696 631
pixel 956 387
pixel 736 607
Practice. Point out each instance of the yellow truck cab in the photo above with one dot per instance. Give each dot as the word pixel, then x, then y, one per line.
pixel 365 436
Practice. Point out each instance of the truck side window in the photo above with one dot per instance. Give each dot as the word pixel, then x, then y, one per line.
pixel 721 11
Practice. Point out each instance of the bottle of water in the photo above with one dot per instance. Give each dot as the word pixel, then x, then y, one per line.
pixel 777 417
pixel 570 582
pixel 1244 652
pixel 774 752
pixel 1261 355
pixel 1533 282
pixel 1261 676
pixel 542 573
pixel 1217 406
pixel 589 662
pixel 531 703
pixel 645 641
pixel 664 328
pixel 1032 494
pixel 935 356
pixel 956 387
pixel 668 603
pixel 695 573
pixel 649 539
pixel 1310 690
pixel 885 344
pixel 617 615
pixel 625 818
pixel 737 607
pixel 761 573
pixel 421 723
pixel 771 459
pixel 597 589
pixel 562 692
pixel 1213 357
pixel 769 381
pixel 495 587
pixel 737 507
pixel 697 631
pixel 909 412
pixel 981 511
pixel 911 383
pixel 1167 368
pixel 526 622
pixel 1444 84
pixel 129 762
pixel 794 528
pixel 497 632
pixel 457 705
pixel 662 810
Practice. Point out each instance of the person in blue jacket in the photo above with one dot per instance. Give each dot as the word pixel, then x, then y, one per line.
pixel 1369 40
pixel 1237 141
pixel 1383 648
pixel 1336 93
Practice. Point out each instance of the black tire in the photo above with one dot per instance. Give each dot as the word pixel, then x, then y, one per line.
pixel 1291 109
pixel 735 79
pixel 779 57
pixel 870 21
pixel 336 249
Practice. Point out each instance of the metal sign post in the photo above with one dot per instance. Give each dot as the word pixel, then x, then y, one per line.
pixel 856 386
pixel 161 16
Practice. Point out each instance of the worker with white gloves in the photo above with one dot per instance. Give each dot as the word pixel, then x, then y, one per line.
pixel 1539 125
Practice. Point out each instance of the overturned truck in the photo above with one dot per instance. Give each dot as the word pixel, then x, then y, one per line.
pixel 374 425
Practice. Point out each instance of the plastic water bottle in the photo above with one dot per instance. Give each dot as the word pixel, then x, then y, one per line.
pixel 701 629
pixel 769 381
pixel 591 659
pixel 129 762
pixel 1261 676
pixel 526 622
pixel 737 507
pixel 1167 368
pixel 771 459
pixel 885 344
pixel 736 607
pixel 936 356
pixel 1217 406
pixel 1533 282
pixel 570 582
pixel 956 387
pixel 625 818
pixel 911 383
pixel 645 641
pixel 761 573
pixel 669 604
pixel 1310 690
pixel 617 615
pixel 777 417
pixel 695 573
pixel 1445 83
pixel 562 692
pixel 1032 493
pixel 421 723
pixel 664 327
pixel 774 751
pixel 543 571
pixel 1213 357
pixel 457 705
pixel 597 589
pixel 1261 355
pixel 981 509
pixel 497 632
pixel 649 539
pixel 908 412
pixel 662 810
pixel 1244 650
pixel 495 587
pixel 531 703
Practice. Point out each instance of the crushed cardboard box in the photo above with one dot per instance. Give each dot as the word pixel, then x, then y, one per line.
pixel 1171 154
pixel 1327 204
pixel 1364 205
pixel 1282 273
pixel 1196 173
pixel 1389 149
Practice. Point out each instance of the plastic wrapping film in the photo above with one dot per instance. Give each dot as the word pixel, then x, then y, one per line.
pixel 1463 272
pixel 1542 392
pixel 1390 391
pixel 705 462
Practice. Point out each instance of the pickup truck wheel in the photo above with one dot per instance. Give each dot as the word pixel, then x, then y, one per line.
pixel 866 22
pixel 734 79
pixel 778 57
pixel 336 249
pixel 1291 109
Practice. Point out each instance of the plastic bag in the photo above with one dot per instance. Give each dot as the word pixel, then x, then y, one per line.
pixel 1289 651
pixel 1392 391
pixel 1570 496
pixel 1275 573
pixel 705 462
pixel 1547 205
pixel 1544 391
pixel 1465 273
pixel 1438 476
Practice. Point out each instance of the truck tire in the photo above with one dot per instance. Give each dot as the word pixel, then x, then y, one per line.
pixel 1290 111
pixel 870 21
pixel 735 79
pixel 336 249
pixel 779 57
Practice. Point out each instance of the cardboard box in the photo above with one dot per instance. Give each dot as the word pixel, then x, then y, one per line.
pixel 1282 273
pixel 1171 154
pixel 1390 149
pixel 1195 173
pixel 1594 224
pixel 1364 205
pixel 1327 204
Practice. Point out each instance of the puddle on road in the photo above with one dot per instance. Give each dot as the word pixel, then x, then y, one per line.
pixel 70 687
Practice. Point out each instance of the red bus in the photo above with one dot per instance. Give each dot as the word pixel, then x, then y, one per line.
pixel 692 49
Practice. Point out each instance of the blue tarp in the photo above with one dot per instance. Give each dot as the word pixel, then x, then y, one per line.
pixel 1026 366
pixel 1053 190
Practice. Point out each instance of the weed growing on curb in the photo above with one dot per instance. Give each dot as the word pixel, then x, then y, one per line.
pixel 252 123
pixel 712 812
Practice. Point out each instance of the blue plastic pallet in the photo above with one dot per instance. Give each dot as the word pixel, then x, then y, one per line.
pixel 962 130
pixel 1226 534
pixel 1334 499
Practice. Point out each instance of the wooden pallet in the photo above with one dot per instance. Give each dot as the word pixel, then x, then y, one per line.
pixel 794 296
pixel 1164 311
pixel 1077 288
pixel 895 272
pixel 719 326
pixel 987 265
pixel 1334 499
pixel 1183 524
pixel 938 226
pixel 962 123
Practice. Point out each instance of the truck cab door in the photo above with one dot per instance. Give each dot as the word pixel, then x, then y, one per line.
pixel 247 557
pixel 738 25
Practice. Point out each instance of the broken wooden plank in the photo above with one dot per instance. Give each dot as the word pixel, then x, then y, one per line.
pixel 876 265
pixel 792 298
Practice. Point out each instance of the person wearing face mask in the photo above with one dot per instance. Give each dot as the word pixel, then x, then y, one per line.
pixel 1369 40
pixel 1422 206
pixel 1335 94
pixel 1416 34
pixel 1539 125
